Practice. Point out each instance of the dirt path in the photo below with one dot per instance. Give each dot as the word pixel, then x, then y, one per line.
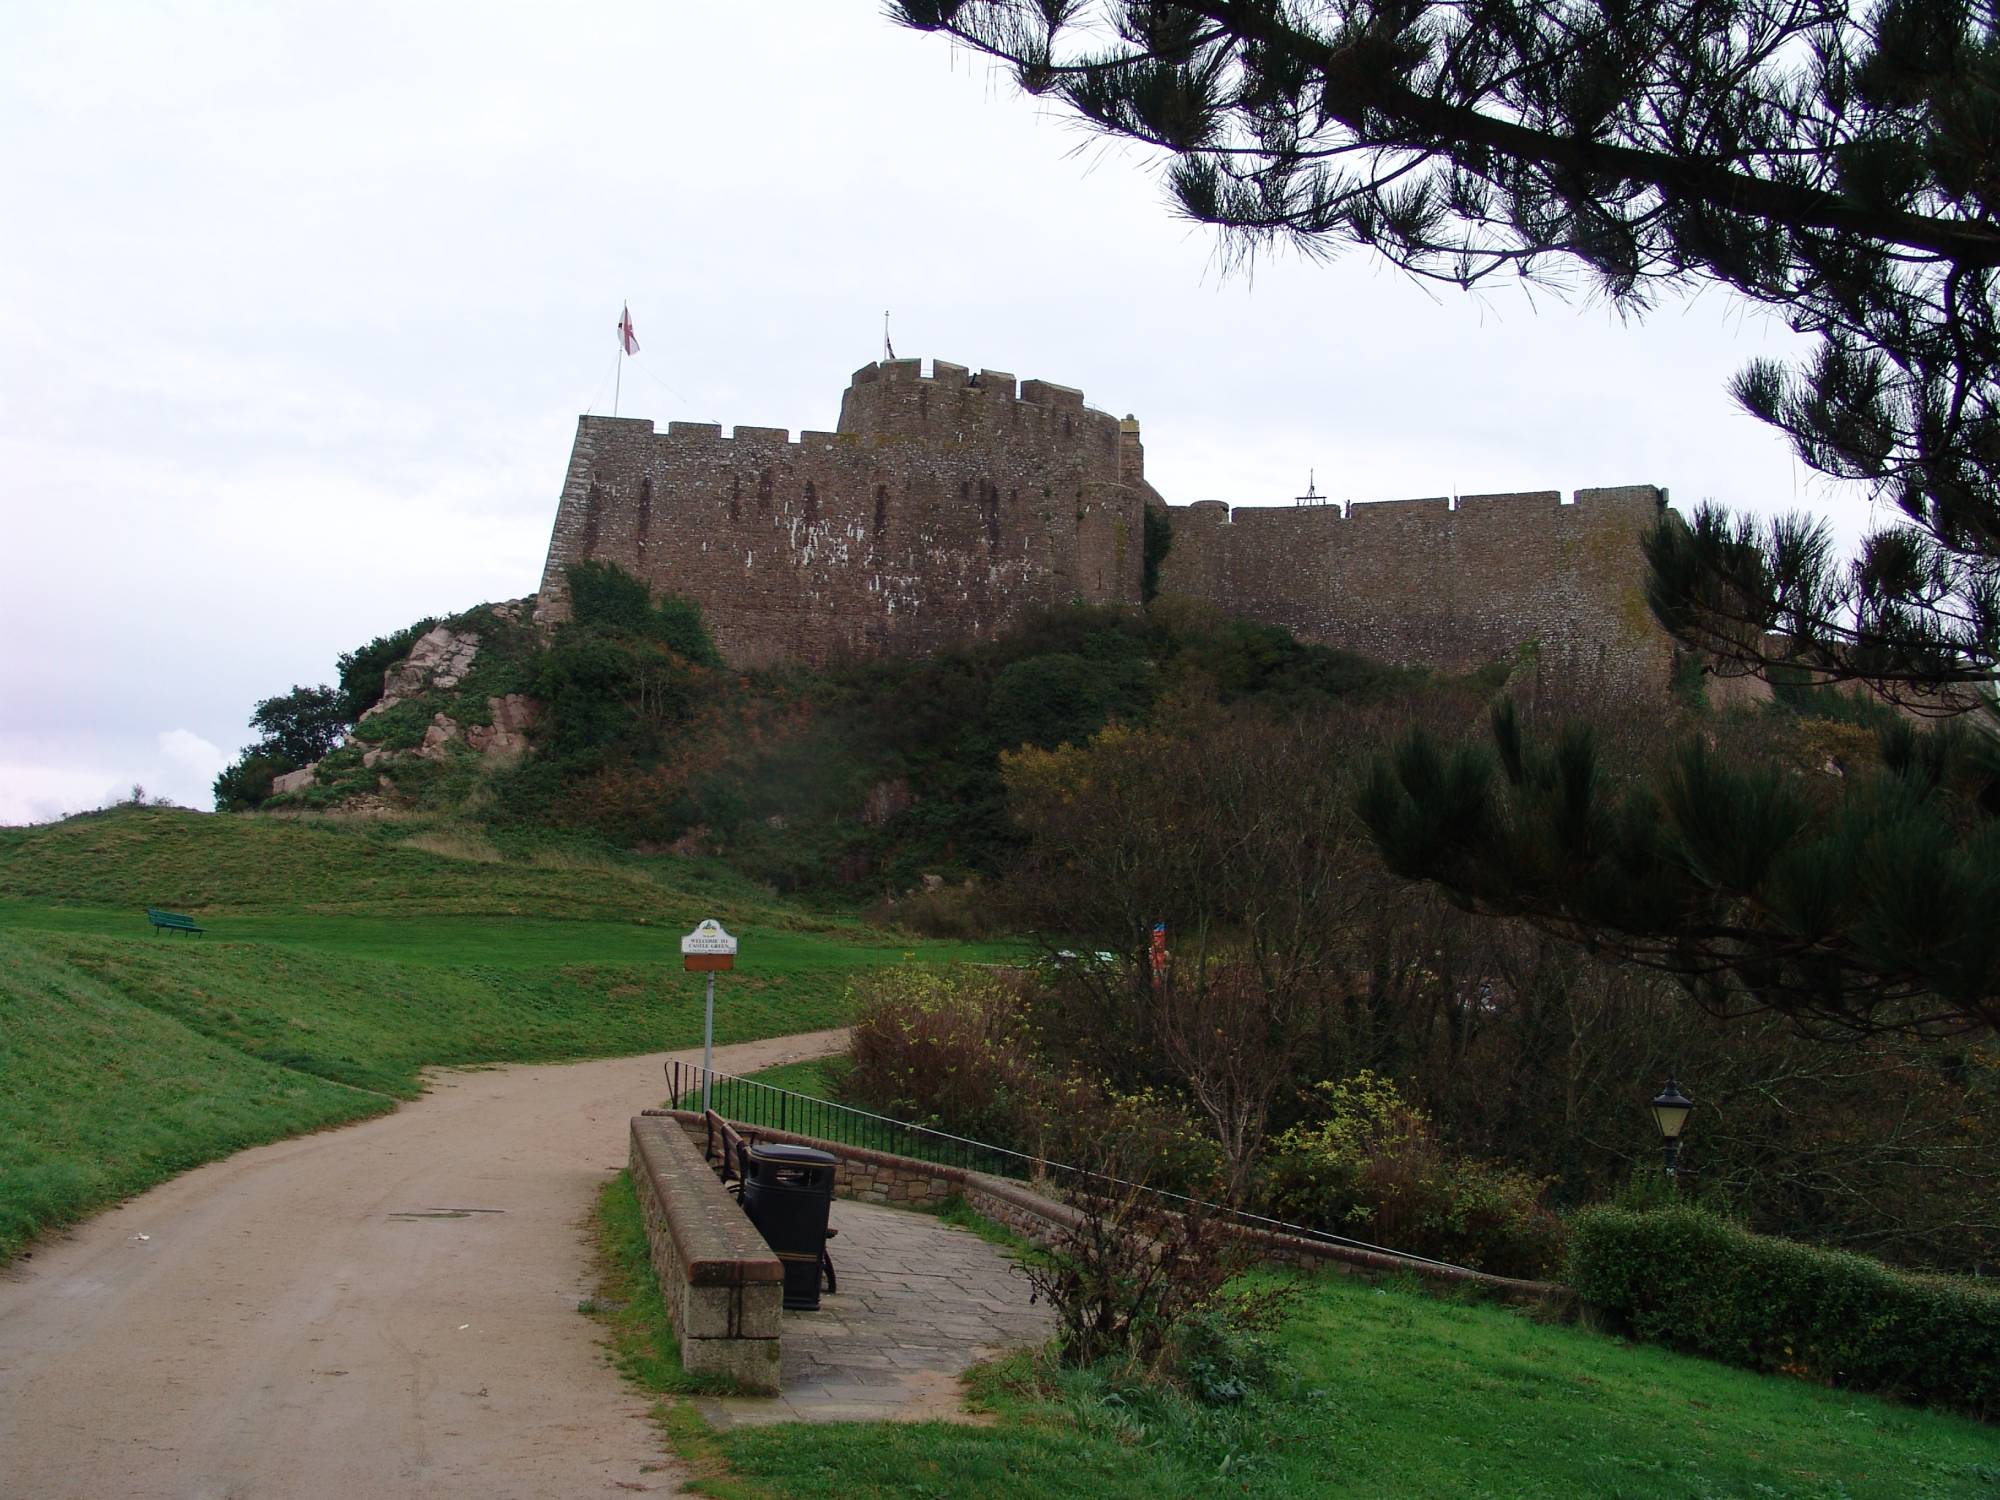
pixel 314 1319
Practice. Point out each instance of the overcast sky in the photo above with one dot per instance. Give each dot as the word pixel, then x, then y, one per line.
pixel 299 304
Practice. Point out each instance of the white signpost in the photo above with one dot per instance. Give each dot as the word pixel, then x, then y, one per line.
pixel 704 951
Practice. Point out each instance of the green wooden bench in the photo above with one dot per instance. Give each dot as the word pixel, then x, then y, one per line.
pixel 171 921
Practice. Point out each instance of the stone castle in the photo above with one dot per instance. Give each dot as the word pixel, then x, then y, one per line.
pixel 947 505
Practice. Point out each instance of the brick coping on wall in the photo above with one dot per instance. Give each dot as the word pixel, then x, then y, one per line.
pixel 882 1177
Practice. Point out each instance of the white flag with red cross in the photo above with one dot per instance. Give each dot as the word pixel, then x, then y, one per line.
pixel 628 340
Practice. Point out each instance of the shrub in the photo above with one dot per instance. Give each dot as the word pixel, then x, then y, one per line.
pixel 946 1047
pixel 605 691
pixel 602 593
pixel 1154 1134
pixel 1220 1358
pixel 967 912
pixel 605 596
pixel 1377 1169
pixel 1059 698
pixel 1691 1279
pixel 1145 1279
pixel 247 783
pixel 400 727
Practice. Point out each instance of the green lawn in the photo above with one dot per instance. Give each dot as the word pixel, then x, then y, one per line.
pixel 1394 1394
pixel 338 963
pixel 100 1096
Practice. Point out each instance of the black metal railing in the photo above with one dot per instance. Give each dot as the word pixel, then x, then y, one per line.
pixel 748 1101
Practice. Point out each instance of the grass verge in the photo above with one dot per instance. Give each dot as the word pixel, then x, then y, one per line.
pixel 1388 1392
pixel 101 1096
pixel 639 1330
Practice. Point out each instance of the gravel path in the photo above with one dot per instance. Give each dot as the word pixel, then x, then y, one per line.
pixel 384 1310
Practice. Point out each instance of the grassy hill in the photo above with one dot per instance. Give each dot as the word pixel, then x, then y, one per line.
pixel 340 960
pixel 130 858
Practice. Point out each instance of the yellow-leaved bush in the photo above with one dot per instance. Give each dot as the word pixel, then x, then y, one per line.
pixel 1375 1168
pixel 946 1046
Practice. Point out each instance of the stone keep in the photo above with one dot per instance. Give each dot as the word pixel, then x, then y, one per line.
pixel 946 506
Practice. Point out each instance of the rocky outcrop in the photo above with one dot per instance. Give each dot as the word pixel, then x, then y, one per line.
pixel 439 660
pixel 885 800
pixel 434 679
pixel 293 781
pixel 507 734
pixel 442 733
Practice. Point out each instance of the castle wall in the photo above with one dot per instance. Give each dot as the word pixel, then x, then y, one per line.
pixel 1424 582
pixel 944 509
pixel 947 506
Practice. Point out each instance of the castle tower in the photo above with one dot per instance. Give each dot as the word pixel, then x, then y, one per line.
pixel 942 509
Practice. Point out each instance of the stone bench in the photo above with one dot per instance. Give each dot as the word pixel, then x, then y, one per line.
pixel 722 1285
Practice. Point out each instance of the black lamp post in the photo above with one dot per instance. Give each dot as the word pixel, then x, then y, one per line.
pixel 1670 1113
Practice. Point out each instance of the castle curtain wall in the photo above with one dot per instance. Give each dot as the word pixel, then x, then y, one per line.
pixel 1427 583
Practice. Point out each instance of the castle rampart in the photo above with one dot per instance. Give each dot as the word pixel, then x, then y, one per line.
pixel 1433 583
pixel 948 505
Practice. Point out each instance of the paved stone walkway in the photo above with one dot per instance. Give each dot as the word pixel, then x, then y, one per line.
pixel 919 1301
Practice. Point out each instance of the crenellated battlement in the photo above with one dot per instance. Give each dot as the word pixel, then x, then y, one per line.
pixel 948 502
pixel 1501 506
pixel 895 399
pixel 685 437
pixel 950 377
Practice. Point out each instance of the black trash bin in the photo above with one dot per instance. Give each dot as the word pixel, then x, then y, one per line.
pixel 788 1192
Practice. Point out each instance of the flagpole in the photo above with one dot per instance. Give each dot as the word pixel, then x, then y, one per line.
pixel 618 384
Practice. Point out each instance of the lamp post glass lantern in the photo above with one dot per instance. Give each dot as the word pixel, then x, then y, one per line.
pixel 1670 1113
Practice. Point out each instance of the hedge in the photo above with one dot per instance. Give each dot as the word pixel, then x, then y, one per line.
pixel 1691 1279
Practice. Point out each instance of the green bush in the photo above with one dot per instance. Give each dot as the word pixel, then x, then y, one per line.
pixel 400 727
pixel 1375 1168
pixel 605 596
pixel 1219 1359
pixel 1691 1279
pixel 947 1047
pixel 1060 698
pixel 247 783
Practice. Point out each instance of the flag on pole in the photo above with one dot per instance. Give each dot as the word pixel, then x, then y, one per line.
pixel 628 340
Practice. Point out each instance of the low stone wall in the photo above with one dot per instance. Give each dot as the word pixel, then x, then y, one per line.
pixel 879 1177
pixel 723 1286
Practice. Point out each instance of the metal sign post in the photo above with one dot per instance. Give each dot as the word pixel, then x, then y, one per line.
pixel 705 951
